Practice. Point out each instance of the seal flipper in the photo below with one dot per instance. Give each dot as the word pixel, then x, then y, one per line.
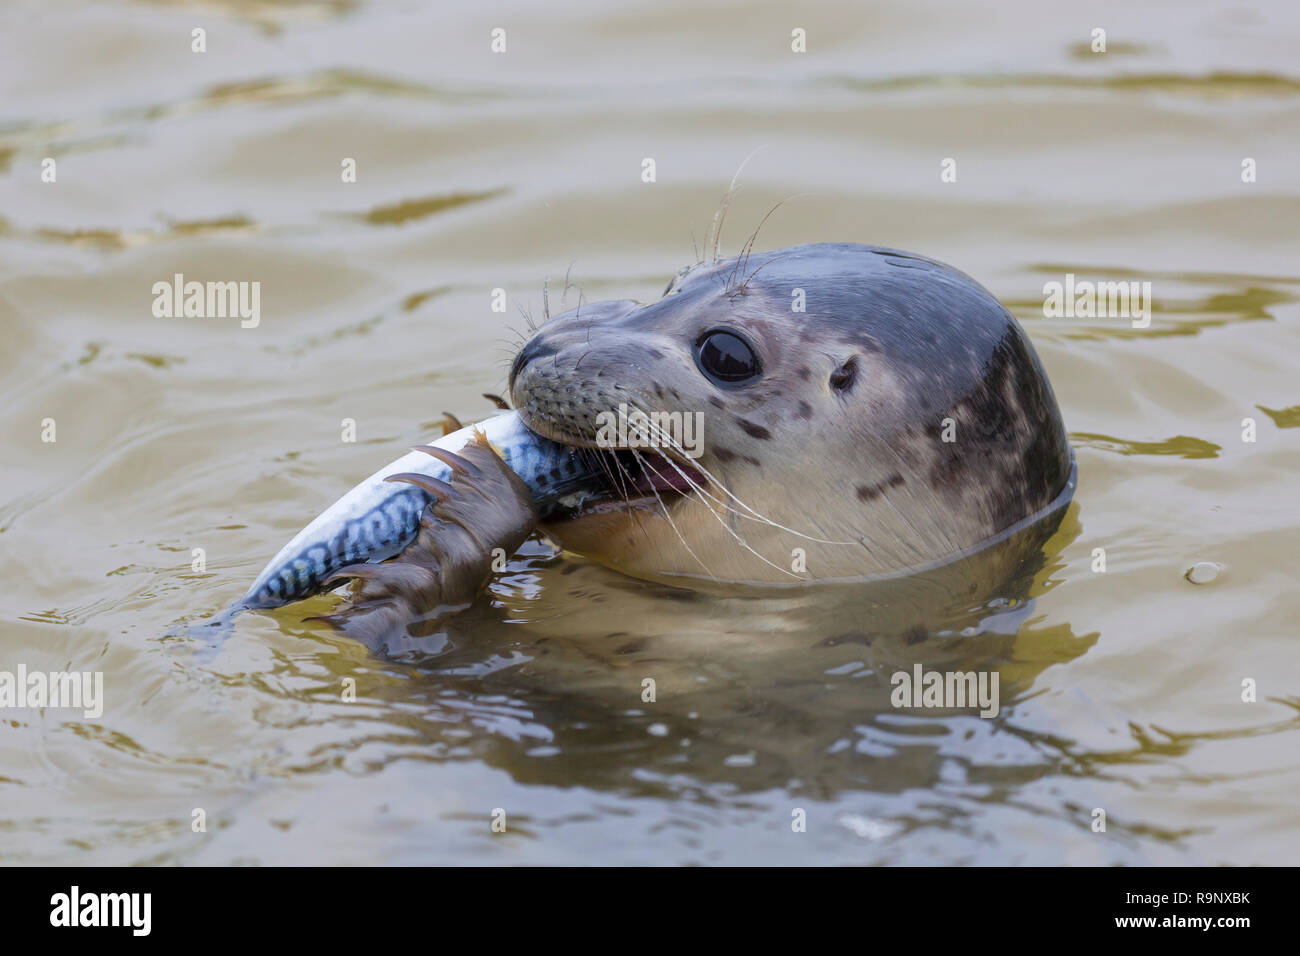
pixel 484 507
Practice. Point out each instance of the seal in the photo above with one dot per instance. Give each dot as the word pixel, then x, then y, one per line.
pixel 866 412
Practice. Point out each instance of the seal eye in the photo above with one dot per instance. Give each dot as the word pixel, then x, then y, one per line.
pixel 726 359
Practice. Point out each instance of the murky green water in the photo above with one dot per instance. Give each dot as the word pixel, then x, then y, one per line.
pixel 1121 690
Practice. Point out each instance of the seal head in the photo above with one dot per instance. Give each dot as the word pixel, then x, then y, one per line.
pixel 860 412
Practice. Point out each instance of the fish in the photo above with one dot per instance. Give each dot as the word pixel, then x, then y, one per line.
pixel 379 518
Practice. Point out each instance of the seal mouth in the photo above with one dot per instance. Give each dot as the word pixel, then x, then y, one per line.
pixel 630 479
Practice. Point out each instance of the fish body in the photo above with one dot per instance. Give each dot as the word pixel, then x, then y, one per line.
pixel 378 518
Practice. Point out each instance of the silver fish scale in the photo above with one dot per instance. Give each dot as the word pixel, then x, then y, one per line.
pixel 381 532
pixel 377 519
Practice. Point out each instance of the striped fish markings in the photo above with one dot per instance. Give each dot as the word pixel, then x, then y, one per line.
pixel 379 517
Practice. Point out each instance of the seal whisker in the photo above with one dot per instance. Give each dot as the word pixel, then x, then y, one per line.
pixel 708 497
pixel 615 477
pixel 744 284
pixel 640 520
pixel 705 495
pixel 520 341
pixel 664 508
pixel 757 516
pixel 506 355
pixel 739 540
pixel 742 260
pixel 720 217
pixel 715 228
pixel 564 296
pixel 532 326
pixel 672 443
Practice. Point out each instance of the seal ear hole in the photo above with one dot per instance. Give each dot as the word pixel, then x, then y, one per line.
pixel 842 378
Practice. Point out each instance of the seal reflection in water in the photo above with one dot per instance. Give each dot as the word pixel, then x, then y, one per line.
pixel 867 414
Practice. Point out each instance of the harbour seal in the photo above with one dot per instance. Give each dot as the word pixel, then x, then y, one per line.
pixel 866 414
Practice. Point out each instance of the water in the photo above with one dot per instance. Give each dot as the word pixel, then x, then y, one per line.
pixel 1121 690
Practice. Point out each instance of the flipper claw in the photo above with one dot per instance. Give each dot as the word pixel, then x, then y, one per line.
pixel 458 464
pixel 435 487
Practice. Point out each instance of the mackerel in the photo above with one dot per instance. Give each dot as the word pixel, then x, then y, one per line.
pixel 378 518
